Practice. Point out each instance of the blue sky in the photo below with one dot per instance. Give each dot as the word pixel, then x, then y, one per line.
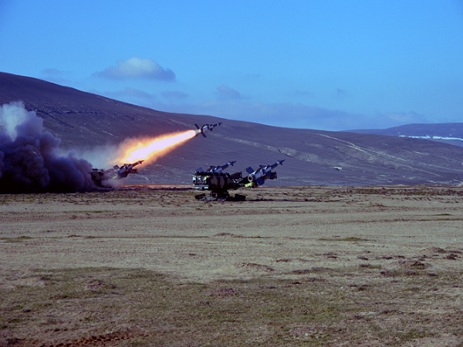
pixel 317 64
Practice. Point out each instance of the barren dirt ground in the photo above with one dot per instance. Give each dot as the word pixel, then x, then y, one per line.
pixel 293 266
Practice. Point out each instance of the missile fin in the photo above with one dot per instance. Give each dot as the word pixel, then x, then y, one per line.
pixel 260 181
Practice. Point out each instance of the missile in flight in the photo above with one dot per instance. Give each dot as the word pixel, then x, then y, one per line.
pixel 201 129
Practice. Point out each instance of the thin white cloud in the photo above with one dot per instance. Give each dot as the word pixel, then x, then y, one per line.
pixel 340 93
pixel 132 95
pixel 302 94
pixel 137 68
pixel 285 114
pixel 227 92
pixel 400 118
pixel 295 115
pixel 174 95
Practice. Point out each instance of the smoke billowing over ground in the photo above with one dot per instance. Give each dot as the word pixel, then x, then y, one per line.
pixel 29 159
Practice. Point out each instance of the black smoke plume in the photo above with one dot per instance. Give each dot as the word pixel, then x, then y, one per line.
pixel 29 162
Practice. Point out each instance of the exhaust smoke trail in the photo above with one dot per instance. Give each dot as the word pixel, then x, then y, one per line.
pixel 28 156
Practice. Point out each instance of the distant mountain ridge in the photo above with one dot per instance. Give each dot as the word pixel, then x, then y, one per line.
pixel 451 133
pixel 313 157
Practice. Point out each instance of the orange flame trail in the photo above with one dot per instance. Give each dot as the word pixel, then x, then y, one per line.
pixel 152 149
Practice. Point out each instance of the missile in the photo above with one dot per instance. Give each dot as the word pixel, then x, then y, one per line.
pixel 101 176
pixel 201 129
pixel 264 172
pixel 126 169
pixel 220 168
pixel 216 169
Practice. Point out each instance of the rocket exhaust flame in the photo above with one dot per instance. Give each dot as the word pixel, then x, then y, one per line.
pixel 151 149
pixel 133 152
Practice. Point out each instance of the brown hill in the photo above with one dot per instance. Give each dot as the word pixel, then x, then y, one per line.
pixel 313 157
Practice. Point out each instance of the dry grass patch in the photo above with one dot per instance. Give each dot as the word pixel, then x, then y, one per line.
pixel 143 308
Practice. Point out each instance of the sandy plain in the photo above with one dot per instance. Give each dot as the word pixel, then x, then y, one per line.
pixel 290 266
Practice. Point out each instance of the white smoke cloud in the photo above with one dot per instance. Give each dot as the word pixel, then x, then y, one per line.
pixel 100 156
pixel 11 115
pixel 137 68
